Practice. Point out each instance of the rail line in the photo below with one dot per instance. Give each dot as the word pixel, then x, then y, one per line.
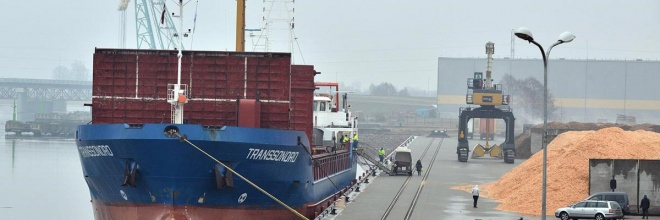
pixel 405 183
pixel 421 185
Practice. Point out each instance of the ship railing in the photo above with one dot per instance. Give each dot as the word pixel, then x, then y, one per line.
pixel 326 206
pixel 331 164
pixel 407 141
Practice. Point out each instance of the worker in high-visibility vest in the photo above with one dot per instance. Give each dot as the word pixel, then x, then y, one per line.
pixel 345 141
pixel 381 154
pixel 354 145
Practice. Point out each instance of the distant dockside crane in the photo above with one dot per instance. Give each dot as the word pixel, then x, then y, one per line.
pixel 493 104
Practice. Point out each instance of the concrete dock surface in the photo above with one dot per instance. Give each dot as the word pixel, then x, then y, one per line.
pixel 437 200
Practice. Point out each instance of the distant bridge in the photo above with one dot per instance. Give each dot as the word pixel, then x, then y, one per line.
pixel 45 89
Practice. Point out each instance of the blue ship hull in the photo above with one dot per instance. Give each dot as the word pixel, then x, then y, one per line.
pixel 143 173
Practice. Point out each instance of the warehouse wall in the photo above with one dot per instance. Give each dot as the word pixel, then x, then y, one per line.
pixel 635 177
pixel 584 90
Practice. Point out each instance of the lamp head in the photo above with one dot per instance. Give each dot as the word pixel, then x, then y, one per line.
pixel 566 37
pixel 524 33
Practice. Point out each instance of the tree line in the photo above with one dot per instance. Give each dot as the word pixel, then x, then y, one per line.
pixel 78 71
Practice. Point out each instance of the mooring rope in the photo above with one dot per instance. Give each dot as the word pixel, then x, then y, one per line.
pixel 185 138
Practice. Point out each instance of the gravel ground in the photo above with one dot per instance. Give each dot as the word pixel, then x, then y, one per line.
pixel 386 141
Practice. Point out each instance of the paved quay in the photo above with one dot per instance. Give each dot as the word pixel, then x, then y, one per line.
pixel 437 199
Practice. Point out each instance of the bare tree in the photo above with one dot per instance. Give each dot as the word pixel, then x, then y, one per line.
pixel 527 98
pixel 404 92
pixel 60 72
pixel 78 71
pixel 384 89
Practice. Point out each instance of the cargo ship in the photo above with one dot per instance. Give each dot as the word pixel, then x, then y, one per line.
pixel 258 139
pixel 254 142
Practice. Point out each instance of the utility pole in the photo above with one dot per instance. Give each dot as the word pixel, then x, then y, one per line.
pixel 513 44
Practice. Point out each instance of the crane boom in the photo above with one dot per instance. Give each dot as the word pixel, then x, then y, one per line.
pixel 154 26
pixel 490 50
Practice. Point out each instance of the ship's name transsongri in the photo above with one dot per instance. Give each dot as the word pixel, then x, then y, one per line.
pixel 272 155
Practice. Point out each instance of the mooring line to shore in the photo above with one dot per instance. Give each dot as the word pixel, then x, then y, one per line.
pixel 185 138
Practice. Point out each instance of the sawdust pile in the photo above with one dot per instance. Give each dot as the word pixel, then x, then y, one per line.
pixel 519 190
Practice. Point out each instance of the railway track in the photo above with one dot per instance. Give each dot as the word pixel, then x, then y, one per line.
pixel 413 201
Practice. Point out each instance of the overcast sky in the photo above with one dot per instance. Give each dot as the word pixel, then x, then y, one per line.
pixel 348 41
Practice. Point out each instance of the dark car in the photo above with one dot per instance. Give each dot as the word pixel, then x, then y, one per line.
pixel 591 209
pixel 620 197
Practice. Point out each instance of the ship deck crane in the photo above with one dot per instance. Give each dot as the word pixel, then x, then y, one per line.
pixel 492 105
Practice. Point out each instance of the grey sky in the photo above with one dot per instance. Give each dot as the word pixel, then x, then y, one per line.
pixel 348 41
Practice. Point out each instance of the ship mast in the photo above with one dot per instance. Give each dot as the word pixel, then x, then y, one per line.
pixel 240 25
pixel 176 93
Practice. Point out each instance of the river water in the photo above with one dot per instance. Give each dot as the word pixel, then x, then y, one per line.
pixel 41 178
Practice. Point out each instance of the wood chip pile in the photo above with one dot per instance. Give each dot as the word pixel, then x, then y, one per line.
pixel 519 190
pixel 523 141
pixel 523 145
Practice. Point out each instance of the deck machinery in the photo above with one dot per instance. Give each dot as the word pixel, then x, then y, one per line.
pixel 492 105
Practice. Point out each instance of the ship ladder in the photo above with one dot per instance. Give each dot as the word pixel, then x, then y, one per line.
pixel 380 165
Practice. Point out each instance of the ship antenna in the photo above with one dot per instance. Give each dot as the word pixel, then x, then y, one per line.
pixel 176 93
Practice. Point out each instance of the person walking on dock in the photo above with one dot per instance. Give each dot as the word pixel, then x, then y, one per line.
pixel 475 194
pixel 419 167
pixel 645 207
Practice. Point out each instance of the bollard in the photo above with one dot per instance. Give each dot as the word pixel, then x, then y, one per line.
pixel 347 199
pixel 366 180
pixel 357 189
pixel 334 211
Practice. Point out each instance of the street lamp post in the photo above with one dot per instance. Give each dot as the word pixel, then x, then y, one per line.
pixel 526 34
